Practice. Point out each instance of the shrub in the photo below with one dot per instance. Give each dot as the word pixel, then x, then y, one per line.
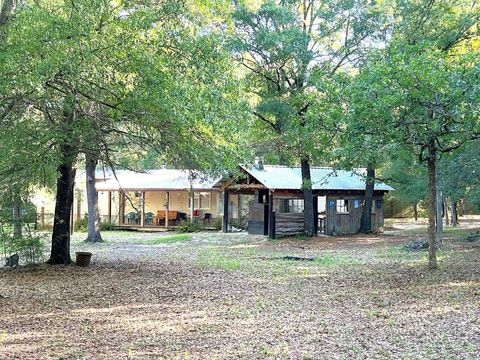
pixel 29 247
pixel 82 224
pixel 218 223
pixel 106 226
pixel 188 227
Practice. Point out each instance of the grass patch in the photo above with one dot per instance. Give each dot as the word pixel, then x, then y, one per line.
pixel 170 239
pixel 300 237
pixel 329 260
pixel 398 252
pixel 212 257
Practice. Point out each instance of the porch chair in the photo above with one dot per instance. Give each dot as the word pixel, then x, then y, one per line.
pixel 207 217
pixel 148 220
pixel 132 218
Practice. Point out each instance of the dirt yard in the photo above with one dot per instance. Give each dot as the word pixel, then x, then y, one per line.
pixel 235 296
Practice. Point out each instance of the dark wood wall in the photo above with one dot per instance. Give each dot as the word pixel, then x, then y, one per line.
pixel 335 223
pixel 287 224
pixel 349 223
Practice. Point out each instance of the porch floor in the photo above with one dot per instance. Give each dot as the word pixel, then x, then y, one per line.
pixel 149 228
pixel 144 228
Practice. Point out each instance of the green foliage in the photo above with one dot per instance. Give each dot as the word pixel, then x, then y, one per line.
pixel 106 226
pixel 218 223
pixel 82 224
pixel 213 257
pixel 329 260
pixel 29 247
pixel 460 174
pixel 292 51
pixel 188 227
pixel 90 77
pixel 169 239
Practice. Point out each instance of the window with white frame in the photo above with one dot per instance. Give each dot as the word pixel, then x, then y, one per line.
pixel 201 201
pixel 342 206
pixel 292 206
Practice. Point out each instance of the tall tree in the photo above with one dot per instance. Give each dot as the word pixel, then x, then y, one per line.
pixel 287 47
pixel 461 177
pixel 429 100
pixel 93 227
pixel 99 79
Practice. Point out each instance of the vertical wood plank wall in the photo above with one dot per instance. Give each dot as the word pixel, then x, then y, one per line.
pixel 350 223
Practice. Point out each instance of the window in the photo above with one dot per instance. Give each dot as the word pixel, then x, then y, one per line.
pixel 292 206
pixel 201 201
pixel 342 206
pixel 378 204
pixel 356 204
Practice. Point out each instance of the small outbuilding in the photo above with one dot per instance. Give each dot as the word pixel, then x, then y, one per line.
pixel 276 208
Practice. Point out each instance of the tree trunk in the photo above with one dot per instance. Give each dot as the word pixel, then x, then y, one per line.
pixel 17 216
pixel 60 253
pixel 454 213
pixel 7 8
pixel 92 201
pixel 432 194
pixel 445 210
pixel 439 217
pixel 415 211
pixel 308 213
pixel 366 220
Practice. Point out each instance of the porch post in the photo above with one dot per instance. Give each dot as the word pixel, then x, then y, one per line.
pixel 79 206
pixel 110 207
pixel 315 214
pixel 239 208
pixel 42 217
pixel 142 209
pixel 225 211
pixel 72 221
pixel 271 217
pixel 121 208
pixel 192 204
pixel 167 207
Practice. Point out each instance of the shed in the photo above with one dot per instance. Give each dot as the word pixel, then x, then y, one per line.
pixel 277 208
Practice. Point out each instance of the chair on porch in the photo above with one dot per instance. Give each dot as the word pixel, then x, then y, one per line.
pixel 160 218
pixel 207 217
pixel 132 218
pixel 148 219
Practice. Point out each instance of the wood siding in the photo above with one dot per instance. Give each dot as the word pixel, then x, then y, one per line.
pixel 349 223
pixel 287 224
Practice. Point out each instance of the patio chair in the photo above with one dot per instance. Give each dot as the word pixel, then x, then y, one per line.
pixel 132 218
pixel 181 216
pixel 207 217
pixel 148 220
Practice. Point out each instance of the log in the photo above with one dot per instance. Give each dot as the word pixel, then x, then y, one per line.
pixel 289 224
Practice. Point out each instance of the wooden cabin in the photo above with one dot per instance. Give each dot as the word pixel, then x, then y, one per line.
pixel 276 205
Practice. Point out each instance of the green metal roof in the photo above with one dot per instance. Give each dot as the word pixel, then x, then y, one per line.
pixel 323 178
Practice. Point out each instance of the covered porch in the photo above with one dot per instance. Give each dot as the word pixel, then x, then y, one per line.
pixel 156 199
pixel 157 208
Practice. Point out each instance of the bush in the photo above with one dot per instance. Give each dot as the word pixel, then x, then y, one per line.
pixel 82 224
pixel 106 226
pixel 30 247
pixel 218 223
pixel 188 227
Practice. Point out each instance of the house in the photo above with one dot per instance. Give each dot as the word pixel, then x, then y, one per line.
pixel 156 198
pixel 261 196
pixel 277 205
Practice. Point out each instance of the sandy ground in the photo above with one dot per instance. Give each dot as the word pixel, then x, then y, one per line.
pixel 235 296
